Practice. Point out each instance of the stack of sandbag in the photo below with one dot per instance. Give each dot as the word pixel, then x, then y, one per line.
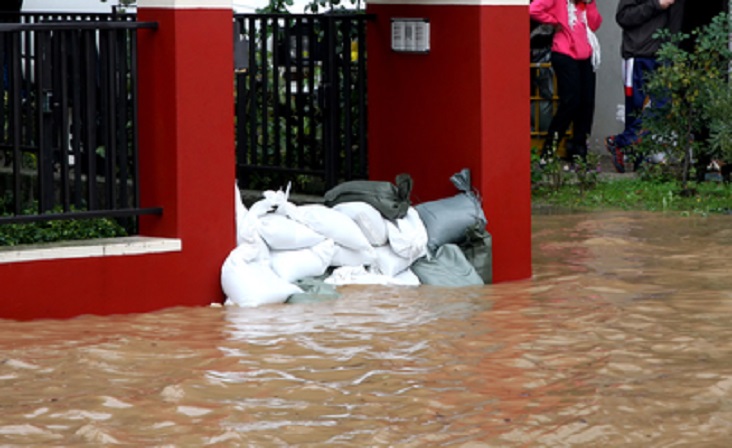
pixel 366 232
pixel 384 214
pixel 279 244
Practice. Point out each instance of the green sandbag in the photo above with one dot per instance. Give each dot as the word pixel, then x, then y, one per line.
pixel 392 201
pixel 448 267
pixel 478 250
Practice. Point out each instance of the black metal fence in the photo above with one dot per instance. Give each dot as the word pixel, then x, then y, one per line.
pixel 300 100
pixel 68 135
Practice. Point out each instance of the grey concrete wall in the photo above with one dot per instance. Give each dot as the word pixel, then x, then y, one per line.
pixel 609 93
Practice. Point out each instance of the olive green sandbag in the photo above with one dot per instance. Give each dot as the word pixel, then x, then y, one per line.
pixel 478 249
pixel 391 200
pixel 448 267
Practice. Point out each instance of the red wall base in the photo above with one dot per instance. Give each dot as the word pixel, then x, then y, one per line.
pixel 186 153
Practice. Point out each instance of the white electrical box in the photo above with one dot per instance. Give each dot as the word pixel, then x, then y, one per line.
pixel 410 35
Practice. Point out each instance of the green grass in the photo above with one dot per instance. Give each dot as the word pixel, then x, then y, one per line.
pixel 635 194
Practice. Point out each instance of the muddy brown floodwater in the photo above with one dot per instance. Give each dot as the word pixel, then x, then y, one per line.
pixel 622 338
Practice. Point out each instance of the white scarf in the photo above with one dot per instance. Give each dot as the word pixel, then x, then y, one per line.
pixel 591 38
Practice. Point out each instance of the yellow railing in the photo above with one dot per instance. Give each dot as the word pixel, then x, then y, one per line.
pixel 544 106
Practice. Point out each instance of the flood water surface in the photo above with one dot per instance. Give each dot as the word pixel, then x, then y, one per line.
pixel 622 338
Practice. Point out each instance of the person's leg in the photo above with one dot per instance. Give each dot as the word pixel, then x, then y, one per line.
pixel 635 99
pixel 584 115
pixel 634 72
pixel 647 105
pixel 567 74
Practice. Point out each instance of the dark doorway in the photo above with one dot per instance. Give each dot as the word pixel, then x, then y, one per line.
pixel 699 13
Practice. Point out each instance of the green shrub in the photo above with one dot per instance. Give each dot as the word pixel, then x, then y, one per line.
pixel 692 97
pixel 13 234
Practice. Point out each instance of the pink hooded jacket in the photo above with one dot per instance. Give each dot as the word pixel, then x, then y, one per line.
pixel 569 41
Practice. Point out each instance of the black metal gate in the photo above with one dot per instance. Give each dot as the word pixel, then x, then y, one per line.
pixel 68 141
pixel 300 100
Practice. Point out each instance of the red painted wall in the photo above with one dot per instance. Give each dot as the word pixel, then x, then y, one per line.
pixel 186 166
pixel 463 105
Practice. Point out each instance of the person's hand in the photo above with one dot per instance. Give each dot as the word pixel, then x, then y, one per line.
pixel 666 3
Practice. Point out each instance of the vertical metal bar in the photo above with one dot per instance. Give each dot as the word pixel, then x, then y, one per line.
pixel 276 68
pixel 15 100
pixel 109 114
pixel 331 105
pixel 4 87
pixel 76 117
pixel 102 115
pixel 313 91
pixel 89 83
pixel 29 122
pixel 299 91
pixel 121 92
pixel 61 112
pixel 134 143
pixel 242 99
pixel 264 64
pixel 46 148
pixel 346 170
pixel 263 91
pixel 288 70
pixel 362 112
pixel 252 121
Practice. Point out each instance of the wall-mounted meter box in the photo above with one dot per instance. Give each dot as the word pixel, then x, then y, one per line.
pixel 410 35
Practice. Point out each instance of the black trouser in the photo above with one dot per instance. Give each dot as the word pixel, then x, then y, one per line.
pixel 576 89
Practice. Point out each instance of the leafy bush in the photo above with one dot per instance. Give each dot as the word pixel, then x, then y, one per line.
pixel 55 230
pixel 59 230
pixel 692 97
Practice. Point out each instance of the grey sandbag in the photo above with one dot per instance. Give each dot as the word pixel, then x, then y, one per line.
pixel 478 249
pixel 391 200
pixel 446 220
pixel 448 267
pixel 314 290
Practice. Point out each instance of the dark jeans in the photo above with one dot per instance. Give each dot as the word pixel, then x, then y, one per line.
pixel 576 89
pixel 635 99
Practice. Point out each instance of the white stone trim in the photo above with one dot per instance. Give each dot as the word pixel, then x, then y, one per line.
pixel 186 4
pixel 108 247
pixel 452 2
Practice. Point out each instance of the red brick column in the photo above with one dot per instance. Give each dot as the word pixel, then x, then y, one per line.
pixel 465 104
pixel 186 129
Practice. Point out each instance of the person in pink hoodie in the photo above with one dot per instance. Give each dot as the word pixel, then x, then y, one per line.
pixel 575 58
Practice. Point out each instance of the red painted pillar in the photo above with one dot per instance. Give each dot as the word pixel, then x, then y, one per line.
pixel 465 104
pixel 186 129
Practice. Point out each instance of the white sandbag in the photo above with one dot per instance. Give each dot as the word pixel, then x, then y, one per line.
pixel 388 262
pixel 253 284
pixel 279 197
pixel 368 219
pixel 408 237
pixel 283 233
pixel 331 223
pixel 345 256
pixel 294 265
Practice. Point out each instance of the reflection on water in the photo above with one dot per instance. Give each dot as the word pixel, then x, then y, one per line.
pixel 622 338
